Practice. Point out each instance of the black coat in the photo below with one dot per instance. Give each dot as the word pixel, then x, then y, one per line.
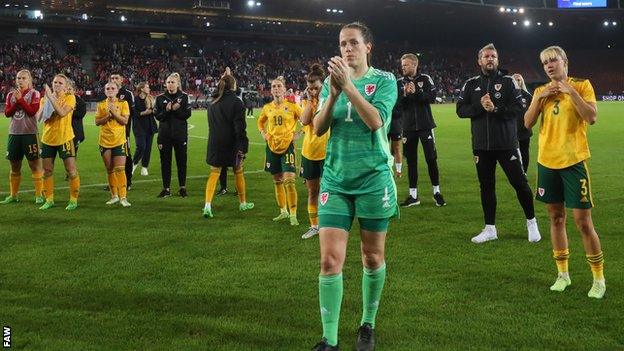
pixel 79 112
pixel 173 124
pixel 415 109
pixel 523 132
pixel 146 124
pixel 227 135
pixel 491 130
pixel 126 95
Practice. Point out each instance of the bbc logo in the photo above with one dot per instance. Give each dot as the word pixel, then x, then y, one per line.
pixel 6 337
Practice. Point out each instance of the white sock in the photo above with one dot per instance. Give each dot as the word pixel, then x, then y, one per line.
pixel 413 192
pixel 436 189
pixel 207 206
pixel 398 166
pixel 491 228
pixel 532 221
pixel 564 275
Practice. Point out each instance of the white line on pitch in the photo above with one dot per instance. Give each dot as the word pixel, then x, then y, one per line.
pixel 133 182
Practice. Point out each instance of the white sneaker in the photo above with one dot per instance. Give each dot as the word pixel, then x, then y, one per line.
pixel 144 171
pixel 485 235
pixel 113 200
pixel 310 233
pixel 134 167
pixel 124 202
pixel 532 228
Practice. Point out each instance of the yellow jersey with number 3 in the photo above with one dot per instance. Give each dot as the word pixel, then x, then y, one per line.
pixel 57 130
pixel 279 122
pixel 314 147
pixel 562 132
pixel 112 133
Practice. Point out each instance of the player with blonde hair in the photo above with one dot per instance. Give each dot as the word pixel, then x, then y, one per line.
pixel 567 106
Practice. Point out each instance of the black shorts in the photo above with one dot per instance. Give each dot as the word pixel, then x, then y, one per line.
pixel 396 130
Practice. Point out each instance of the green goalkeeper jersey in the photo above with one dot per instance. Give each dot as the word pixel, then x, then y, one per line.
pixel 358 160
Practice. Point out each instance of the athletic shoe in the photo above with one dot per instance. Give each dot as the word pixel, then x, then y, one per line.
pixel 222 191
pixel 144 171
pixel 310 233
pixel 439 200
pixel 207 213
pixel 124 202
pixel 182 192
pixel 598 289
pixel 9 199
pixel 71 205
pixel 46 205
pixel 324 346
pixel 282 215
pixel 134 167
pixel 113 200
pixel 410 201
pixel 39 199
pixel 534 233
pixel 561 284
pixel 293 220
pixel 246 206
pixel 366 338
pixel 106 188
pixel 485 235
pixel 164 193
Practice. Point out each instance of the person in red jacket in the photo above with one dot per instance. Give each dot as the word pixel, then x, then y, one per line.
pixel 22 103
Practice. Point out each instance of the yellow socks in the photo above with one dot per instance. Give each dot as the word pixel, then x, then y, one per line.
pixel 122 182
pixel 14 181
pixel 74 187
pixel 211 184
pixel 596 262
pixel 112 183
pixel 291 193
pixel 240 185
pixel 280 194
pixel 48 187
pixel 561 259
pixel 313 213
pixel 38 182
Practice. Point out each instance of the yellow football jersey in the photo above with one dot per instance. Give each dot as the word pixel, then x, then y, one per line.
pixel 563 133
pixel 279 122
pixel 112 133
pixel 57 130
pixel 314 147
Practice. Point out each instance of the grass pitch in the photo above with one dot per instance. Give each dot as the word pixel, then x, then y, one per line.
pixel 158 276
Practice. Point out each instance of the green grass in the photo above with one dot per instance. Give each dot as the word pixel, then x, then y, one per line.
pixel 158 276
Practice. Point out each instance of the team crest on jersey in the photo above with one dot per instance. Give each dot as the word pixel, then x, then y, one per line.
pixel 323 198
pixel 268 165
pixel 497 95
pixel 160 146
pixel 179 100
pixel 369 89
pixel 476 159
pixel 121 97
pixel 498 87
pixel 541 191
pixel 420 84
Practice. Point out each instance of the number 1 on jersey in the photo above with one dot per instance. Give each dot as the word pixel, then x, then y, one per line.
pixel 349 119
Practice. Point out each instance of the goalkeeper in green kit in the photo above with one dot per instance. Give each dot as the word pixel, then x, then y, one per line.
pixel 356 103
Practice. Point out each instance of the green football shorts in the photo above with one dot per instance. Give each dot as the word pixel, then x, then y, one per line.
pixel 570 185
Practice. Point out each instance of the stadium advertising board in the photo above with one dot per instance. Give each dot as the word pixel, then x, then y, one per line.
pixel 579 4
pixel 612 97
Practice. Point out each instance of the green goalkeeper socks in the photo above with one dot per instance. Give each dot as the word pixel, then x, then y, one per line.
pixel 372 285
pixel 330 299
